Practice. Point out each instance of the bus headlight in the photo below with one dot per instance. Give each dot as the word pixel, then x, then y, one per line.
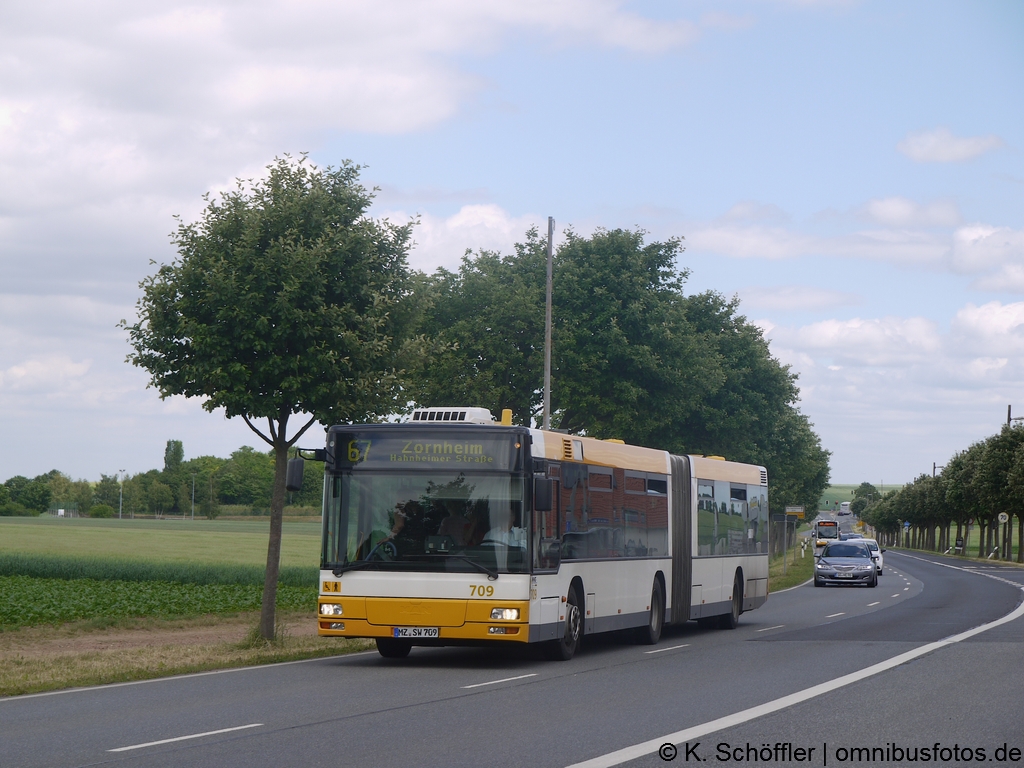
pixel 508 614
pixel 330 609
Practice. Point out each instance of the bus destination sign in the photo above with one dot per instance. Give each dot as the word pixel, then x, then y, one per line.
pixel 419 450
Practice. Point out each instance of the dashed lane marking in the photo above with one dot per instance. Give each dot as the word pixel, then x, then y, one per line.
pixel 184 738
pixel 672 648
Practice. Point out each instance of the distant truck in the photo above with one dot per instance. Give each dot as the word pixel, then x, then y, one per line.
pixel 844 508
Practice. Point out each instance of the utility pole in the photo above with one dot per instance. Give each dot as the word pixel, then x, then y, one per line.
pixel 120 493
pixel 193 497
pixel 546 422
pixel 1010 419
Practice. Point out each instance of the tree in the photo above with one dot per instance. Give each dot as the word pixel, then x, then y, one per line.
pixel 35 495
pixel 247 478
pixel 108 491
pixel 174 454
pixel 285 299
pixel 633 357
pixel 626 362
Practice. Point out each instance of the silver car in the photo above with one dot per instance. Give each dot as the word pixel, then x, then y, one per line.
pixel 846 562
pixel 876 554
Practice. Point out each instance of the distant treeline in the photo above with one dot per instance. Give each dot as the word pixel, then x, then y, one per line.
pixel 246 479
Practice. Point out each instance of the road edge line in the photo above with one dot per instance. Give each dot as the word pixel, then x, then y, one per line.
pixel 737 718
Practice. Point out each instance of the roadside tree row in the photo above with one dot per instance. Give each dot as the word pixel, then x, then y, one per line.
pixel 974 487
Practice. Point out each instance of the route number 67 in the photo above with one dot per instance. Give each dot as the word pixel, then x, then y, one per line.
pixel 354 454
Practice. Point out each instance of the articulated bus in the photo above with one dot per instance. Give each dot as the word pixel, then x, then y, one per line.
pixel 453 529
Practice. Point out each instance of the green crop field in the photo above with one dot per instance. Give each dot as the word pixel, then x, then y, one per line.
pixel 25 601
pixel 55 570
pixel 834 494
pixel 213 542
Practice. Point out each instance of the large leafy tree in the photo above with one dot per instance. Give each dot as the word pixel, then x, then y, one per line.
pixel 626 361
pixel 633 358
pixel 284 299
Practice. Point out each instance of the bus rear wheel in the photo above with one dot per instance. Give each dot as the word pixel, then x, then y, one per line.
pixel 651 634
pixel 566 646
pixel 731 619
pixel 391 648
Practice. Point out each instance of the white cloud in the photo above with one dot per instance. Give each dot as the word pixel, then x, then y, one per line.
pixel 990 329
pixel 941 146
pixel 782 298
pixel 980 247
pixel 902 212
pixel 441 242
pixel 1008 279
pixel 896 246
pixel 889 341
pixel 43 374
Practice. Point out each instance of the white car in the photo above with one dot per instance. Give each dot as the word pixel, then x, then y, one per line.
pixel 876 554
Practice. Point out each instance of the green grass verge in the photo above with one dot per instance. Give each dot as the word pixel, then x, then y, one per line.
pixel 797 570
pixel 26 601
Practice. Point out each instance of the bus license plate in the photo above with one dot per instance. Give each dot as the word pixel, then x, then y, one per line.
pixel 415 632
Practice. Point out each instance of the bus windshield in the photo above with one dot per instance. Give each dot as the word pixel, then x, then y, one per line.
pixel 828 529
pixel 425 521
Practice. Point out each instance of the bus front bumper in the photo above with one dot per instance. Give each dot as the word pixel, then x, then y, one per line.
pixel 424 620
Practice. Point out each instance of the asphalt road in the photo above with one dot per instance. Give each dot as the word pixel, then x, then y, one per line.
pixel 778 678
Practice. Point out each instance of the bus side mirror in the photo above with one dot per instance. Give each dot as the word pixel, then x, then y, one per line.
pixel 542 493
pixel 293 478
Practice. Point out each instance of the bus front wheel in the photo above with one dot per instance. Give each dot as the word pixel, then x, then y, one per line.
pixel 391 648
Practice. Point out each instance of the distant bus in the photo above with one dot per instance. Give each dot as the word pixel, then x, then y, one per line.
pixel 844 508
pixel 825 531
pixel 454 529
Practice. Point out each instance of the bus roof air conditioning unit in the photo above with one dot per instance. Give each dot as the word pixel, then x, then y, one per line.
pixel 453 415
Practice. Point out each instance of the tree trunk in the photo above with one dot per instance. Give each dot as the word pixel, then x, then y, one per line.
pixel 1020 538
pixel 268 612
pixel 981 537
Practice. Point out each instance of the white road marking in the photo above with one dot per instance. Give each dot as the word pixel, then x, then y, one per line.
pixel 906 588
pixel 870 604
pixel 832 616
pixel 777 626
pixel 184 738
pixel 340 656
pixel 673 648
pixel 503 680
pixel 896 595
pixel 802 584
pixel 650 747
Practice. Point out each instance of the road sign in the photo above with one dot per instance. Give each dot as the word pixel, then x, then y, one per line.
pixel 1003 517
pixel 906 525
pixel 798 515
pixel 794 509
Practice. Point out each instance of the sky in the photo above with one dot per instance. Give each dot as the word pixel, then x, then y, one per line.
pixel 851 170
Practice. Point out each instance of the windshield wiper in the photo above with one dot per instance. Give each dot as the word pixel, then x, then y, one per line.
pixel 355 566
pixel 492 575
